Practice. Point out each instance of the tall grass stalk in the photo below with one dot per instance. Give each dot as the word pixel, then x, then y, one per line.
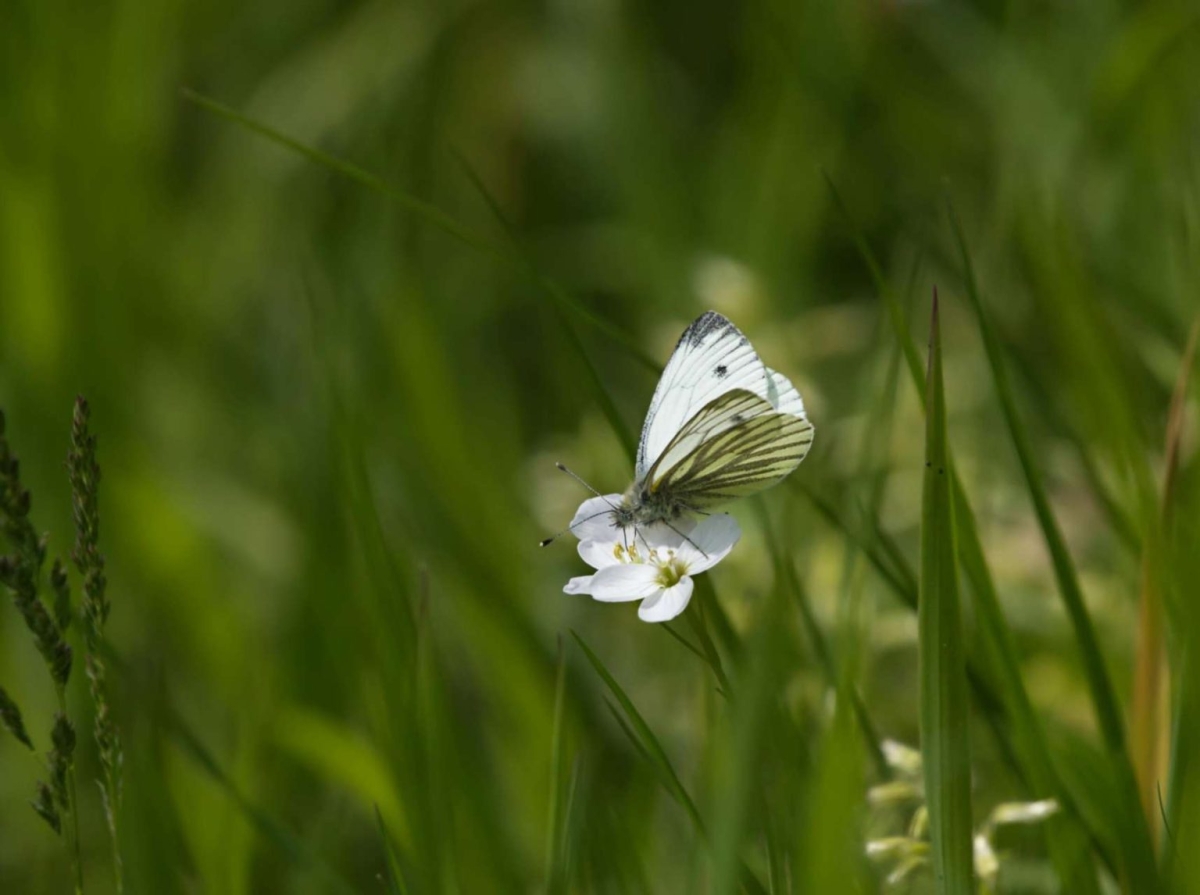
pixel 945 745
pixel 95 606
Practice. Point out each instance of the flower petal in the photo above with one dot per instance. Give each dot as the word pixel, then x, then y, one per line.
pixel 662 535
pixel 593 520
pixel 709 542
pixel 580 585
pixel 601 554
pixel 620 584
pixel 668 604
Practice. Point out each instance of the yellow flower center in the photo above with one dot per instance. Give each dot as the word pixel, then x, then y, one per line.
pixel 670 569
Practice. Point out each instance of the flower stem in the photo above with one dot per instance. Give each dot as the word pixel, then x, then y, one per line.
pixel 699 624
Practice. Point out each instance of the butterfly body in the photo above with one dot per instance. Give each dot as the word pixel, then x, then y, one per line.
pixel 644 505
pixel 721 425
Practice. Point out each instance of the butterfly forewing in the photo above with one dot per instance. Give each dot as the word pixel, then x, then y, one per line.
pixel 711 358
pixel 735 445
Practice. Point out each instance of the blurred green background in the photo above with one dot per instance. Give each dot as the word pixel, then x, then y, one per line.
pixel 328 428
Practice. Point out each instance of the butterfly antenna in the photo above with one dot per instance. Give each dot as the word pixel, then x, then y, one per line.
pixel 546 542
pixel 579 479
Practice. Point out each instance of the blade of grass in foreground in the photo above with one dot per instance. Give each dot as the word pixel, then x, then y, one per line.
pixel 645 738
pixel 651 749
pixel 945 748
pixel 999 654
pixel 1138 855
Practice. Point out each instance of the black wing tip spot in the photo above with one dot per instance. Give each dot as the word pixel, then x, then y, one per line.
pixel 721 371
pixel 704 325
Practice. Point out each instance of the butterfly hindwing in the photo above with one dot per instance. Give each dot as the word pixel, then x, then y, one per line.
pixel 735 445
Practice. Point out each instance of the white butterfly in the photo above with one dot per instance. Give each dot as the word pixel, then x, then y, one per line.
pixel 721 425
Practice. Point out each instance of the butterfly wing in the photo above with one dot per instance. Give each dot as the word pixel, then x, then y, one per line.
pixel 735 445
pixel 712 358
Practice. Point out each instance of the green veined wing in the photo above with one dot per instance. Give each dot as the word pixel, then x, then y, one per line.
pixel 735 445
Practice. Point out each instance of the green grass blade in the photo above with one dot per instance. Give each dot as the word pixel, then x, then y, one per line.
pixel 425 210
pixel 945 746
pixel 394 878
pixel 699 624
pixel 687 644
pixel 644 737
pixel 716 621
pixel 647 744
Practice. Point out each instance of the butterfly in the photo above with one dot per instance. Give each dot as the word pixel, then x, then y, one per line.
pixel 721 425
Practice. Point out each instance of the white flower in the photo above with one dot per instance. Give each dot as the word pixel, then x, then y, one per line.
pixel 653 563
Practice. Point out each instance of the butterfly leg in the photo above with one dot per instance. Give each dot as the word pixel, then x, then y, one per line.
pixel 685 537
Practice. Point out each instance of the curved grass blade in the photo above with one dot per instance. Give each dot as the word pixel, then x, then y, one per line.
pixel 645 739
pixel 945 747
pixel 648 746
